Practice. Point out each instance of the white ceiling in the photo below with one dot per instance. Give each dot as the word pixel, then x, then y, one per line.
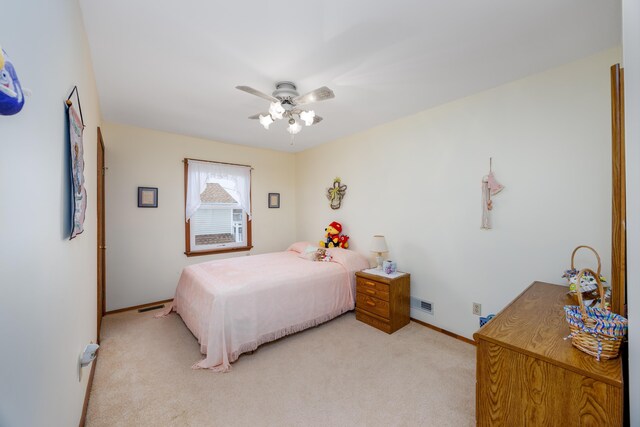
pixel 173 65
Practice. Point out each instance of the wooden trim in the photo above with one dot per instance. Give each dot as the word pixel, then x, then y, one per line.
pixel 87 393
pixel 618 208
pixel 101 245
pixel 187 224
pixel 221 251
pixel 212 161
pixel 135 307
pixel 187 227
pixel 444 331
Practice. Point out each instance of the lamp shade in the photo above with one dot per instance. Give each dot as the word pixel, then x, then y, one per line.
pixel 276 110
pixel 378 244
pixel 294 128
pixel 307 117
pixel 266 121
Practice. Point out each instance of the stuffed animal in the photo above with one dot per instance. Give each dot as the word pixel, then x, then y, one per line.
pixel 322 255
pixel 332 236
pixel 11 97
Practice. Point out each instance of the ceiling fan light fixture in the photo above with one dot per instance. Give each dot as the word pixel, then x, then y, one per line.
pixel 307 117
pixel 276 110
pixel 285 103
pixel 266 121
pixel 294 128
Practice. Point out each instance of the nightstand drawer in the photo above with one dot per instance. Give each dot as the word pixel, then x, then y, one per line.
pixel 373 289
pixel 369 319
pixel 374 305
pixel 371 284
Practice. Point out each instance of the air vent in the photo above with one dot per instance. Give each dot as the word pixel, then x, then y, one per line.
pixel 426 306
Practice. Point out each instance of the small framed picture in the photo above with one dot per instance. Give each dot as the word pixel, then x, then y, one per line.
pixel 274 200
pixel 147 197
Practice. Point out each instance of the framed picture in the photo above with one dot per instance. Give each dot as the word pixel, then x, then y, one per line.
pixel 147 197
pixel 274 200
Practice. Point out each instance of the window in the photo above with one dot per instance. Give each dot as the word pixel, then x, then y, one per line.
pixel 217 207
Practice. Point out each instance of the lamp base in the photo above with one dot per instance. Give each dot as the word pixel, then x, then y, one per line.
pixel 379 260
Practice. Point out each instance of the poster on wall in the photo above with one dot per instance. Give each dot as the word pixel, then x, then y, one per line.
pixel 78 192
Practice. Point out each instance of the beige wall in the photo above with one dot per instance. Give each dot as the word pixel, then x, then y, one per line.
pixel 48 283
pixel 145 247
pixel 631 52
pixel 417 181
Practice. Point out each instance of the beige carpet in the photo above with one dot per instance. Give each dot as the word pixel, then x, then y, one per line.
pixel 342 373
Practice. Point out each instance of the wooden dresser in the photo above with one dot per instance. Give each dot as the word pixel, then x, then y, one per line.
pixel 383 302
pixel 528 375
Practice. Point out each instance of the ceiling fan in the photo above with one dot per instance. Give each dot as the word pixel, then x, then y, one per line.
pixel 285 104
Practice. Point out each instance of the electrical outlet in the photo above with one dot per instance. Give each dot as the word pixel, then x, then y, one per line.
pixel 477 309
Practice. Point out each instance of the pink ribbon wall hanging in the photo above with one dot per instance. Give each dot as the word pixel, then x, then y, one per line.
pixel 490 187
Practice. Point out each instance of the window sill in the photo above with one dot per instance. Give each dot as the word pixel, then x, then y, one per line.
pixel 219 251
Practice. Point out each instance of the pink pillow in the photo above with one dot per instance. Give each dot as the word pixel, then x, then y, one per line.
pixel 352 260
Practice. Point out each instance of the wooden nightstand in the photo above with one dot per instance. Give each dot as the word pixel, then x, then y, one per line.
pixel 382 302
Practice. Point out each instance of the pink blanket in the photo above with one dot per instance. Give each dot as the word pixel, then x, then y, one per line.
pixel 234 305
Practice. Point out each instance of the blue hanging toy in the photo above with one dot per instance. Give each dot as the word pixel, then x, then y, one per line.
pixel 11 96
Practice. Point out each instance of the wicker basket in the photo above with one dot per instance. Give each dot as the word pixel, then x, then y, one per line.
pixel 573 270
pixel 595 330
pixel 573 256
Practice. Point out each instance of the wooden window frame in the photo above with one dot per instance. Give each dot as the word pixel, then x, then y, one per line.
pixel 187 228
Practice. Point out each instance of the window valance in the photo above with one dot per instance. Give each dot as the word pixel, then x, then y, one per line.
pixel 236 180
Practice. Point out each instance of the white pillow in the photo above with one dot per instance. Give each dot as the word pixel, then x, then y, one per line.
pixel 298 246
pixel 309 253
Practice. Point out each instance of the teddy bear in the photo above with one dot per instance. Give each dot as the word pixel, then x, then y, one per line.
pixel 343 240
pixel 332 236
pixel 321 255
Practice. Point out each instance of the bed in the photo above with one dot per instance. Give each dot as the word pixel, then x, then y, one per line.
pixel 234 305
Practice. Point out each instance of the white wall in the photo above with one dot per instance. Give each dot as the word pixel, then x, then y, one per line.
pixel 145 247
pixel 417 181
pixel 48 283
pixel 631 53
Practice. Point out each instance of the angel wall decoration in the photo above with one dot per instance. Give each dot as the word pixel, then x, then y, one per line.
pixel 336 193
pixel 11 94
pixel 490 187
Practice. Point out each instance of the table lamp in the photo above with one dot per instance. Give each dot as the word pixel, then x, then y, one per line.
pixel 379 245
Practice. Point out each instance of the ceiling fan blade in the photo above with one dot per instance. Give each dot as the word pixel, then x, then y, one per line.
pixel 257 116
pixel 316 120
pixel 255 92
pixel 321 94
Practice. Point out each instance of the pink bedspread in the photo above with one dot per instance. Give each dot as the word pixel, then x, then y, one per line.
pixel 234 305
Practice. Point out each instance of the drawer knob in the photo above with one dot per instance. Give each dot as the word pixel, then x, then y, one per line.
pixel 369 283
pixel 370 291
pixel 371 303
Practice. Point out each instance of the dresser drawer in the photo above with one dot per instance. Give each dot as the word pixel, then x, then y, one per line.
pixel 373 305
pixel 374 289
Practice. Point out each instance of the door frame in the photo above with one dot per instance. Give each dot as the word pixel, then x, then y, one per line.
pixel 101 243
pixel 618 210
